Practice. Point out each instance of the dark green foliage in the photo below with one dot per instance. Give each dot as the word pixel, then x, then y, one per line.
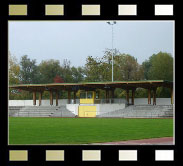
pixel 77 74
pixel 19 95
pixel 157 67
pixel 49 69
pixel 29 73
pixel 141 93
pixel 126 67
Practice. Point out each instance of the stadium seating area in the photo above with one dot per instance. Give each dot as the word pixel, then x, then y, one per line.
pixel 43 111
pixel 132 111
pixel 142 111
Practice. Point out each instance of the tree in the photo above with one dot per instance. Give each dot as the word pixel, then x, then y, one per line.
pixel 66 72
pixel 95 70
pixel 127 68
pixel 146 66
pixel 49 69
pixel 161 67
pixel 14 70
pixel 29 73
pixel 58 79
pixel 77 74
pixel 14 75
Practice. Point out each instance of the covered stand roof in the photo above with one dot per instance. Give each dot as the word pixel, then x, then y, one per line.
pixel 94 85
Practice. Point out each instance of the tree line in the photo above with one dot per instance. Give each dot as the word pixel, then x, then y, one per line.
pixel 126 68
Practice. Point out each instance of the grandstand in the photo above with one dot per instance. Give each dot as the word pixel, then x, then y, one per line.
pixel 43 111
pixel 141 111
pixel 90 104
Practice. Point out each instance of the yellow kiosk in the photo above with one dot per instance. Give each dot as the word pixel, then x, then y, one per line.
pixel 87 101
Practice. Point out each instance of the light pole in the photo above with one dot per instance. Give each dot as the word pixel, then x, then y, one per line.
pixel 112 23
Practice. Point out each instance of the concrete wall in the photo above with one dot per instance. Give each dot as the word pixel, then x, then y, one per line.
pixel 73 108
pixel 101 108
pixel 104 108
pixel 138 101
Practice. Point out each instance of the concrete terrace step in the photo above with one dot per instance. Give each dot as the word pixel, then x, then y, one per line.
pixel 35 113
pixel 15 107
pixel 34 116
pixel 42 111
pixel 27 110
pixel 141 111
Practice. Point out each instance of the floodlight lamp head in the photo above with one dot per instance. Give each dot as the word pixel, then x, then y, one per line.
pixel 114 22
pixel 109 23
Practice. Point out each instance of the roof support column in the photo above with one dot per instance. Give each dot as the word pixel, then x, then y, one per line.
pixel 74 97
pixel 34 98
pixel 51 97
pixel 69 97
pixel 133 96
pixel 112 95
pixel 40 98
pixel 57 94
pixel 127 96
pixel 149 96
pixel 107 96
pixel 171 95
pixel 154 96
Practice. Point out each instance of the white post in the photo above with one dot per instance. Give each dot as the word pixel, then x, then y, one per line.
pixel 112 55
pixel 114 22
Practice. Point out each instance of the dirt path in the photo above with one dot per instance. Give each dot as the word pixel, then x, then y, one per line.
pixel 153 141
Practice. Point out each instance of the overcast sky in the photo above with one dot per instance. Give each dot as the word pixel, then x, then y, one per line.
pixel 75 40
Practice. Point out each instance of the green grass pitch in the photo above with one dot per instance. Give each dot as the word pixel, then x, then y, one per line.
pixel 26 130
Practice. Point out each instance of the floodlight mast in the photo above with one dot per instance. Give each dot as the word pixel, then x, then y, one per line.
pixel 112 23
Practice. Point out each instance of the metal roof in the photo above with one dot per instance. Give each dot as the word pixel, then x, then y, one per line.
pixel 94 85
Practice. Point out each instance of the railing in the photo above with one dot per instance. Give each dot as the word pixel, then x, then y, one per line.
pixel 77 101
pixel 110 101
pixel 101 101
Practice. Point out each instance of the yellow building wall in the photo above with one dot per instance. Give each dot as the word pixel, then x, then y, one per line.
pixel 87 111
pixel 86 101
